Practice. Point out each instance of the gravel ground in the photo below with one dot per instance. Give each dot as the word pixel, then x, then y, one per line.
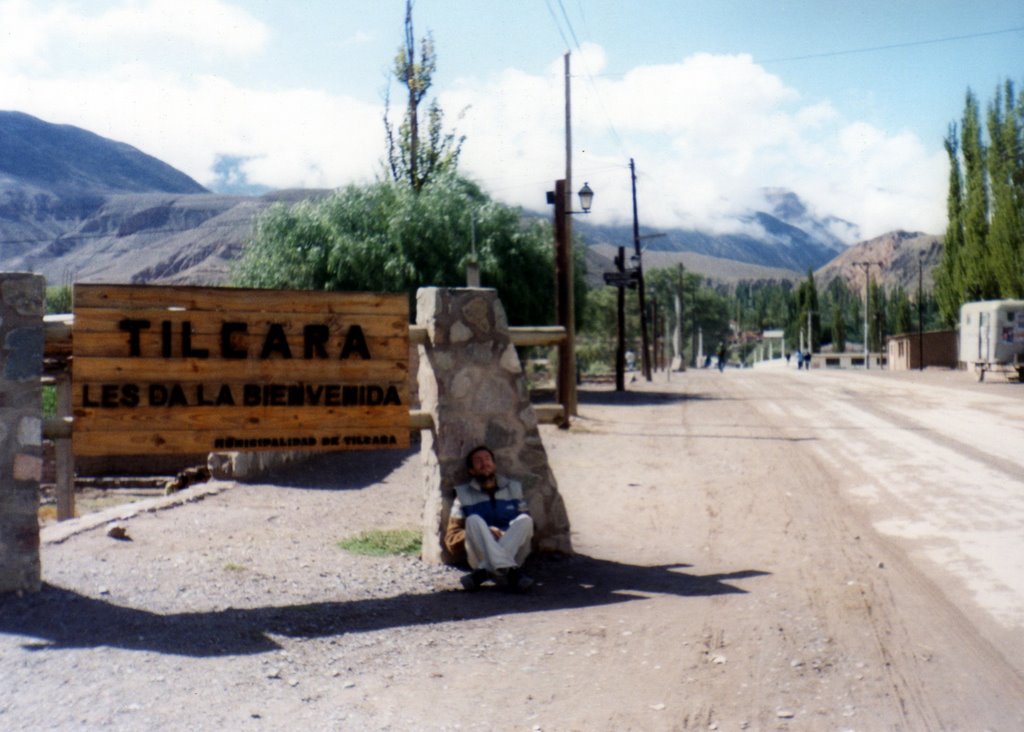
pixel 730 574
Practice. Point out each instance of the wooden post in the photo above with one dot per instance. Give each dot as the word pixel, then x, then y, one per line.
pixel 65 463
pixel 566 381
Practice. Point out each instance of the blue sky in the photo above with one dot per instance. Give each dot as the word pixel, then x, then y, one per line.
pixel 844 103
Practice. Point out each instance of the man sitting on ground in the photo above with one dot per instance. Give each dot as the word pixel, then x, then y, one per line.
pixel 490 524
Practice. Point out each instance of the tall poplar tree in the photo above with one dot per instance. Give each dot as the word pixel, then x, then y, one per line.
pixel 980 282
pixel 412 158
pixel 806 300
pixel 1006 176
pixel 983 256
pixel 949 278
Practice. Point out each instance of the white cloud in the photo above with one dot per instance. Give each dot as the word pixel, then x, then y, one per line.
pixel 708 134
pixel 209 24
pixel 34 32
pixel 295 138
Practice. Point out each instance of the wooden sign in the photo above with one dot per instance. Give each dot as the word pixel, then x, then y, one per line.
pixel 189 369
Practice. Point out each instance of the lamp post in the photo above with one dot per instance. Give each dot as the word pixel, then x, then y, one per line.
pixel 564 307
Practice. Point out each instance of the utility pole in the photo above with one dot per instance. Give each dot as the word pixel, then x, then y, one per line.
pixel 640 280
pixel 810 340
pixel 620 324
pixel 920 311
pixel 566 381
pixel 655 354
pixel 678 347
pixel 867 306
pixel 567 353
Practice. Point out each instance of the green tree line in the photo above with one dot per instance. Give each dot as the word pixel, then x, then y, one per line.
pixel 983 256
pixel 714 312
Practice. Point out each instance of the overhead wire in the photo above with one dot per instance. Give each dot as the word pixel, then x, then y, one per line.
pixel 586 71
pixel 866 49
pixel 558 25
pixel 891 46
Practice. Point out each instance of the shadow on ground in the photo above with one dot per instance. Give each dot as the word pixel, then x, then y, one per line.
pixel 344 470
pixel 59 618
pixel 612 398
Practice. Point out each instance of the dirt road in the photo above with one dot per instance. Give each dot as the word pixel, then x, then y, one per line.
pixel 759 549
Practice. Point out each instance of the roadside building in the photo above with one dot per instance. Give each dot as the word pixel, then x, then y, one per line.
pixel 937 348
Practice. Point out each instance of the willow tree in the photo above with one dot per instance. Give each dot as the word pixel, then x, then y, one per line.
pixel 386 237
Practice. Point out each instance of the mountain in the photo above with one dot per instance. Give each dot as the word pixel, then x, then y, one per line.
pixel 782 242
pixel 147 237
pixel 64 160
pixel 77 207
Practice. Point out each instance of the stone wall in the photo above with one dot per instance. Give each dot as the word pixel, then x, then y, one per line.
pixel 471 381
pixel 21 449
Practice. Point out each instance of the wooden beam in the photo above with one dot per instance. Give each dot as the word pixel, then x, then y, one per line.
pixel 539 335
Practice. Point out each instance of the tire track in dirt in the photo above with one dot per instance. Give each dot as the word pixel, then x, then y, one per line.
pixel 881 598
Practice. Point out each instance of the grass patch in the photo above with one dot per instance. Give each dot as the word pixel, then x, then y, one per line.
pixel 232 567
pixel 49 401
pixel 378 543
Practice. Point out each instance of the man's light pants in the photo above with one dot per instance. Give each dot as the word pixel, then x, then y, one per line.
pixel 485 552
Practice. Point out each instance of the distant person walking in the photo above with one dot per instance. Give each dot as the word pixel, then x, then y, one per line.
pixel 723 353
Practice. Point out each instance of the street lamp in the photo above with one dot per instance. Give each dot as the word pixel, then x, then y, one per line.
pixel 585 194
pixel 564 306
pixel 586 198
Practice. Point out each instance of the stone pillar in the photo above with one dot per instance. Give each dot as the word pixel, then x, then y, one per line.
pixel 21 443
pixel 471 381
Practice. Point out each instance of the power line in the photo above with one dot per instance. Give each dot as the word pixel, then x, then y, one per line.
pixel 568 22
pixel 589 76
pixel 558 25
pixel 907 44
pixel 866 49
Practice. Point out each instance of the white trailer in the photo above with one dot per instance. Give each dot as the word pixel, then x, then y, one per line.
pixel 992 337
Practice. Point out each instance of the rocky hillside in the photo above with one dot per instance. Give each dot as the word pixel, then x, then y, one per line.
pixel 146 237
pixel 75 206
pixel 894 261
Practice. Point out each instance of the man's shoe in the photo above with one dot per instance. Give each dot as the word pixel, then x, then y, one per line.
pixel 471 582
pixel 518 582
